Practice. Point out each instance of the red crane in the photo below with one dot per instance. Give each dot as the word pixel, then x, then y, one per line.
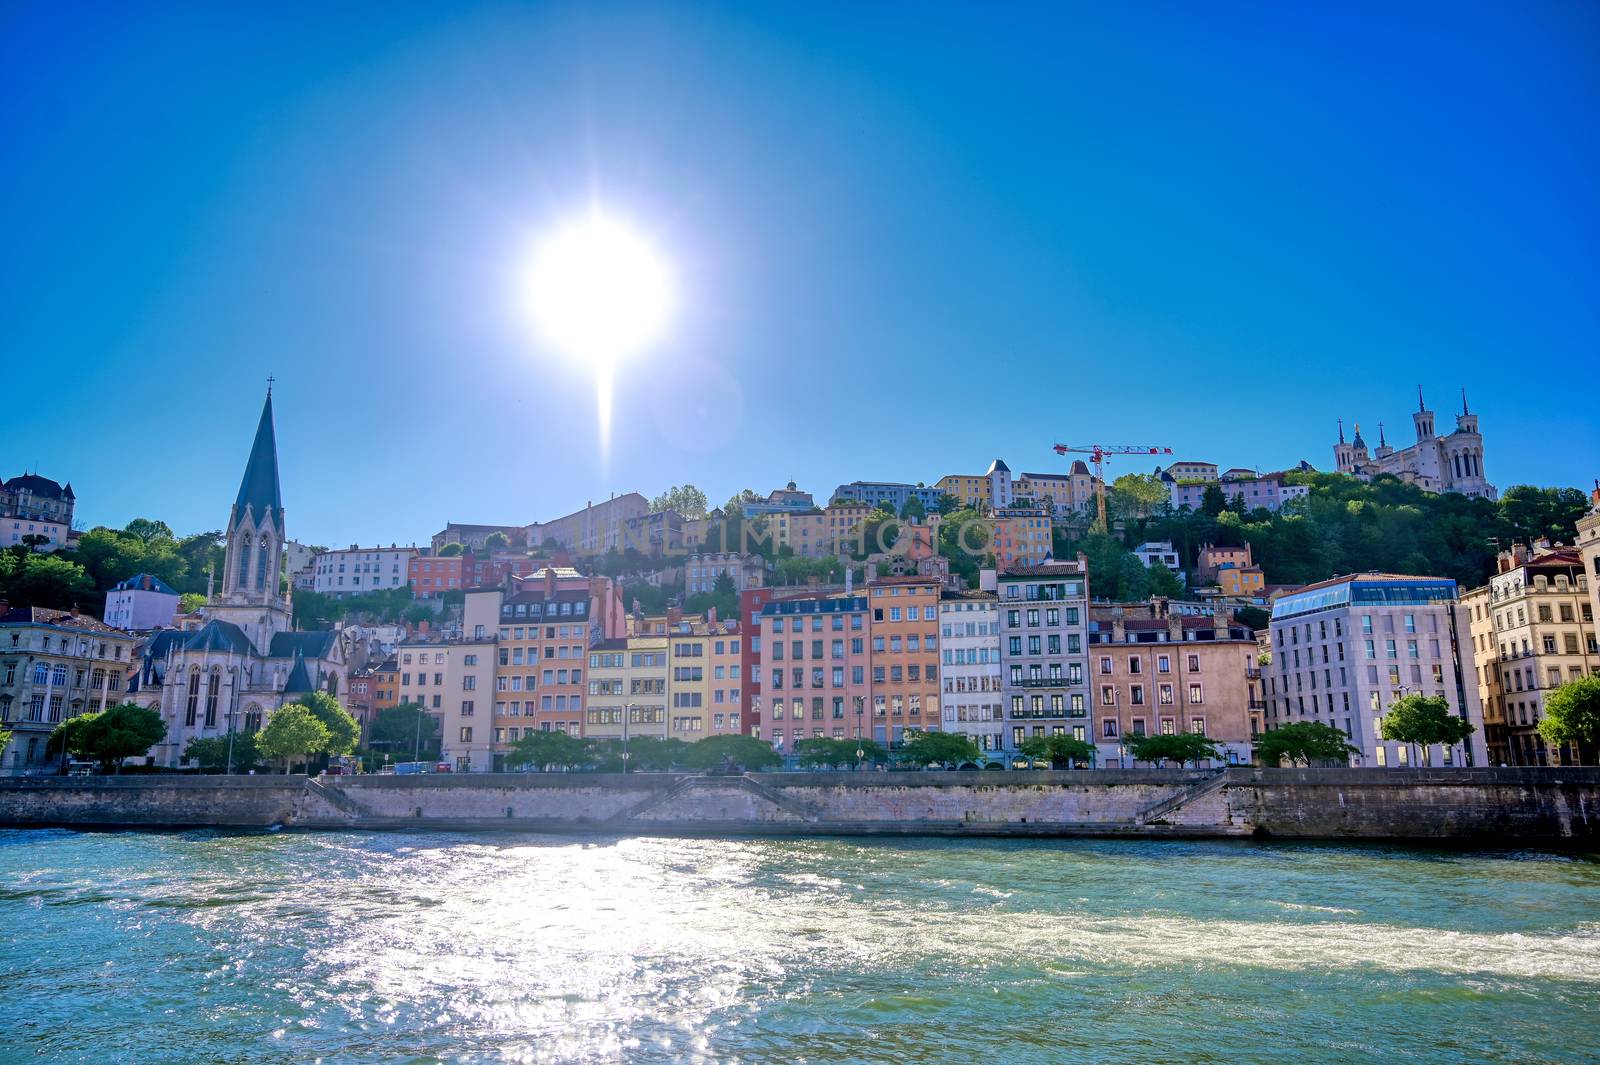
pixel 1098 453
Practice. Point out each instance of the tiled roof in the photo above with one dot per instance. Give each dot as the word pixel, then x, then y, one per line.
pixel 39 486
pixel 299 680
pixel 38 615
pixel 145 582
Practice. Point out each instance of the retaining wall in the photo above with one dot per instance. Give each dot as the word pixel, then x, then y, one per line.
pixel 1528 805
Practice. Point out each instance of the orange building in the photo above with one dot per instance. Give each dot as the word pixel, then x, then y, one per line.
pixel 904 631
pixel 1022 537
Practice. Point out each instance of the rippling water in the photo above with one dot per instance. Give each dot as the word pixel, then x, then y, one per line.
pixel 215 947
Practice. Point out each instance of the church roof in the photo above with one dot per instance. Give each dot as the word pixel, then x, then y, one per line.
pixel 998 466
pixel 309 644
pixel 1358 442
pixel 218 635
pixel 299 680
pixel 259 488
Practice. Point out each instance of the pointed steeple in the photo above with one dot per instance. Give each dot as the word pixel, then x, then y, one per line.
pixel 259 488
pixel 1464 409
pixel 1381 441
pixel 1421 406
pixel 299 680
pixel 1341 430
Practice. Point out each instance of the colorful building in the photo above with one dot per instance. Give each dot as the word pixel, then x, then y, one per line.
pixel 1023 536
pixel 810 678
pixel 1044 639
pixel 54 666
pixel 1169 675
pixel 970 693
pixel 904 634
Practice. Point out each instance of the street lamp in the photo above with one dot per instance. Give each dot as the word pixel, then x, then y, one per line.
pixel 627 713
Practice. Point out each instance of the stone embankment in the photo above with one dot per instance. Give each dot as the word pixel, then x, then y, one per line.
pixel 1524 805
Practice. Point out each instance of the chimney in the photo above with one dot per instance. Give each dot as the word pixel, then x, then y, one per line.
pixel 1224 620
pixel 549 581
pixel 1119 631
pixel 711 617
pixel 1175 627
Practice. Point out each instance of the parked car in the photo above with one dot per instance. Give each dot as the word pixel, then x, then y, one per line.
pixel 409 768
pixel 80 769
pixel 443 767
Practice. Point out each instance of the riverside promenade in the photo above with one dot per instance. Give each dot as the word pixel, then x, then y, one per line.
pixel 1554 806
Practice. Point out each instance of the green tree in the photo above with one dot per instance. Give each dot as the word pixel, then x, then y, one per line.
pixel 1424 720
pixel 451 550
pixel 343 730
pixel 200 554
pixel 118 733
pixel 1138 495
pixel 746 752
pixel 405 731
pixel 913 509
pixel 496 541
pixel 544 750
pixel 686 499
pixel 147 531
pixel 1059 749
pixel 1303 743
pixel 1572 715
pixel 1252 617
pixel 5 739
pixel 189 602
pixel 937 748
pixel 823 751
pixel 1165 582
pixel 947 504
pixel 49 581
pixel 211 752
pixel 654 752
pixel 292 731
pixel 1212 500
pixel 1179 747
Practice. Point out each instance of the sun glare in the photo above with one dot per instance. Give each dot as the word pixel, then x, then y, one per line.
pixel 598 290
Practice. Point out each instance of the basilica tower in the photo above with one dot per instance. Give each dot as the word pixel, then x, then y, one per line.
pixel 252 586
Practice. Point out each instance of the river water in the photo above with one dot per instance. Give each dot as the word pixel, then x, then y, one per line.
pixel 348 947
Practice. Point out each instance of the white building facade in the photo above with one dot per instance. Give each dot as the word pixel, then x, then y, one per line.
pixel 970 696
pixel 1435 463
pixel 1344 650
pixel 140 604
pixel 361 570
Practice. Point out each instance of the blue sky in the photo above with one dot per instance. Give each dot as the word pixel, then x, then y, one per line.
pixel 907 238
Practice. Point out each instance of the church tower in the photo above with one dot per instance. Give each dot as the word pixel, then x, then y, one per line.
pixel 1423 419
pixel 252 589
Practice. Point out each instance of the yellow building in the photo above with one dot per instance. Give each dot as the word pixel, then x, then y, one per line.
pixel 971 489
pixel 688 681
pixel 1023 536
pixel 1240 580
pixel 817 533
pixel 726 682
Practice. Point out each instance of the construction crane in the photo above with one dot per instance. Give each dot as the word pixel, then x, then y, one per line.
pixel 1098 453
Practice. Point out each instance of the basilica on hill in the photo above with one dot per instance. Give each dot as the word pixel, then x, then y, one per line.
pixel 245 660
pixel 1435 463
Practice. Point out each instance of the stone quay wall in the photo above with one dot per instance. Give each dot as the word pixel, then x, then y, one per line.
pixel 1556 806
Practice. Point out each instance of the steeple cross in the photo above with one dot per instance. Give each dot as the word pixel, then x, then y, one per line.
pixel 270 379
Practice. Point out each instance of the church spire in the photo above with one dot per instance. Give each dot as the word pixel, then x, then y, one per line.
pixel 1381 441
pixel 1464 409
pixel 1341 430
pixel 1422 408
pixel 259 488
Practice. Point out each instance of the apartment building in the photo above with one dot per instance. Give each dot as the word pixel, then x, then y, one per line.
pixel 1162 676
pixel 1532 630
pixel 970 689
pixel 628 685
pixel 1044 639
pixel 816 533
pixel 892 493
pixel 1344 650
pixel 989 491
pixel 904 630
pixel 454 681
pixel 1589 548
pixel 810 674
pixel 1022 536
pixel 54 665
pixel 701 571
pixel 352 570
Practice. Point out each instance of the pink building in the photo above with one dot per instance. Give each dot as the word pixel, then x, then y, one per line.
pixel 812 676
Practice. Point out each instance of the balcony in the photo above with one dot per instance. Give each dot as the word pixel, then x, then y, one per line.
pixel 1046 682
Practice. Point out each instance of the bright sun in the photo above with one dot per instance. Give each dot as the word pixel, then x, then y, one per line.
pixel 598 290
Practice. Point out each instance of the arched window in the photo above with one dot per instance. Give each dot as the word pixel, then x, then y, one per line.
pixel 262 553
pixel 193 706
pixel 212 683
pixel 243 548
pixel 252 718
